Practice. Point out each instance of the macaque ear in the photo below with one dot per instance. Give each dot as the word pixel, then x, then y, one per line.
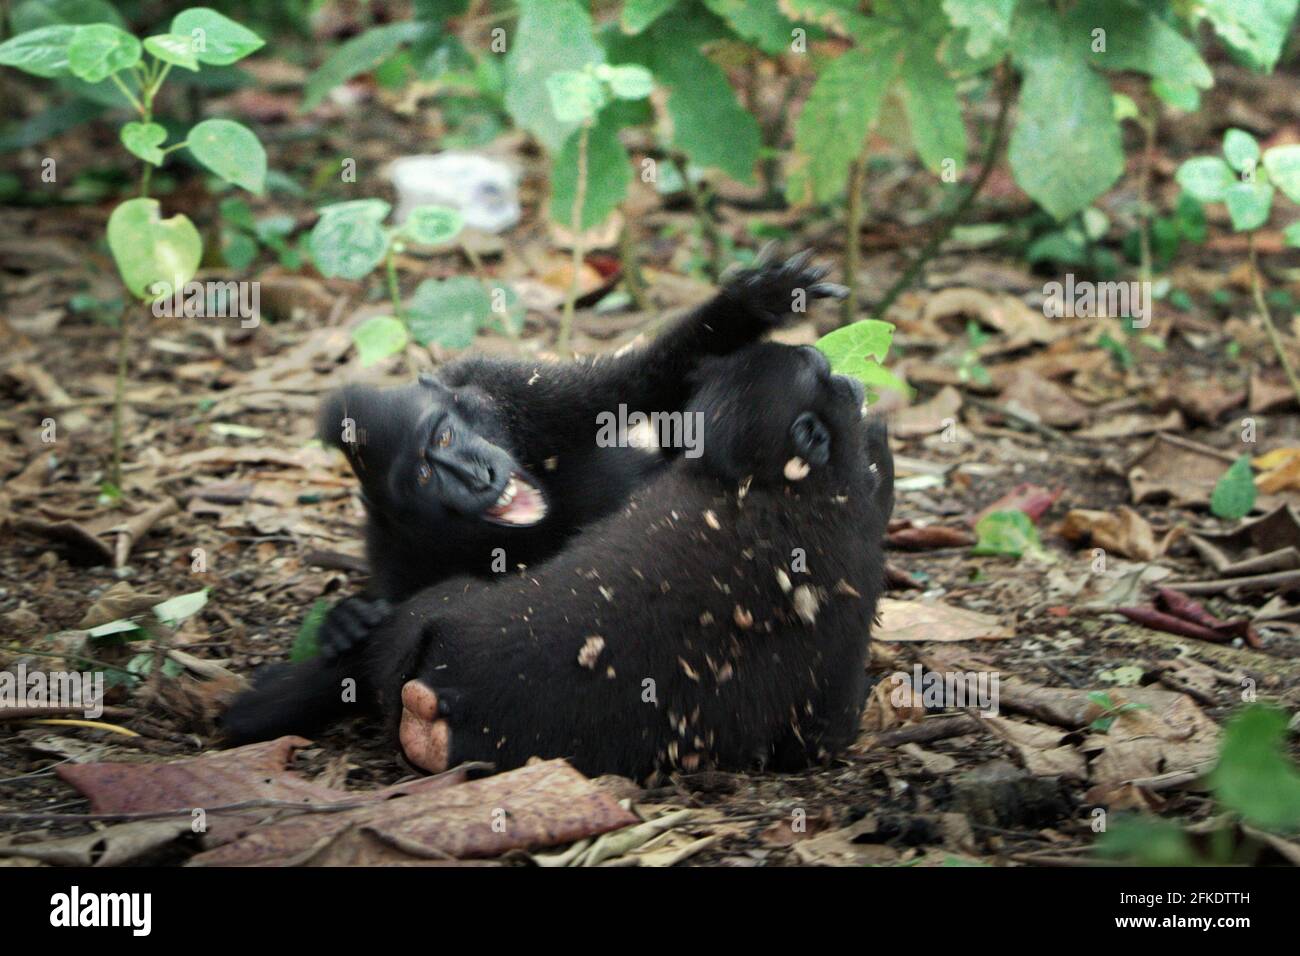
pixel 343 414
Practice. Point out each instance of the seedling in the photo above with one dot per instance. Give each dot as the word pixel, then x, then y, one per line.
pixel 1246 181
pixel 578 96
pixel 154 256
pixel 350 241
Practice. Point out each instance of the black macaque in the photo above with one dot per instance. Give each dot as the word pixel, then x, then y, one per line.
pixel 719 620
pixel 488 465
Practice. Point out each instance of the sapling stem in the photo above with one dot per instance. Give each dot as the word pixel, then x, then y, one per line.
pixel 1258 291
pixel 119 391
pixel 991 154
pixel 575 222
pixel 852 235
pixel 394 291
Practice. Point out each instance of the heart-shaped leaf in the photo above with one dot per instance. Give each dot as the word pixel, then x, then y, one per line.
pixel 1248 204
pixel 41 52
pixel 349 239
pixel 1234 493
pixel 1241 149
pixel 449 313
pixel 173 48
pixel 1283 165
pixel 216 39
pixel 857 350
pixel 232 151
pixel 432 225
pixel 378 338
pixel 99 50
pixel 576 95
pixel 143 140
pixel 154 255
pixel 1207 178
pixel 1009 532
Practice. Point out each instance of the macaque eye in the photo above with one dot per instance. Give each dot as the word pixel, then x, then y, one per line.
pixel 444 438
pixel 423 473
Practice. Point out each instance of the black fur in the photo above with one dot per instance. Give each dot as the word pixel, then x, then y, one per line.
pixel 691 586
pixel 425 502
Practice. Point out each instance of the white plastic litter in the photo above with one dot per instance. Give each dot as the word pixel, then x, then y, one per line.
pixel 484 190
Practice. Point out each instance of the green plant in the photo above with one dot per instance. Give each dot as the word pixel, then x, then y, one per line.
pixel 1008 533
pixel 578 96
pixel 1246 181
pixel 350 241
pixel 1253 781
pixel 243 235
pixel 154 256
pixel 1111 709
pixel 1234 493
pixel 858 350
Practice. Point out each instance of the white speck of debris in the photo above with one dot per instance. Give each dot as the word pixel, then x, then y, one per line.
pixel 590 651
pixel 744 619
pixel 711 520
pixel 783 580
pixel 805 603
pixel 551 463
pixel 796 469
pixel 606 593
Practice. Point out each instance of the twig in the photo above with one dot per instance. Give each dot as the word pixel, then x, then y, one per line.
pixel 1258 291
pixel 991 154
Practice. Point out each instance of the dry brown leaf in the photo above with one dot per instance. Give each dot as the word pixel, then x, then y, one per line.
pixel 1123 531
pixel 933 621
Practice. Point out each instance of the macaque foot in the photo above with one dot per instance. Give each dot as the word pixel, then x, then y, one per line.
pixel 424 736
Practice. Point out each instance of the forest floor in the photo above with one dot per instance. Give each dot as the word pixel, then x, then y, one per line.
pixel 221 471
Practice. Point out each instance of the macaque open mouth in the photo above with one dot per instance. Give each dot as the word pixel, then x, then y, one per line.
pixel 521 504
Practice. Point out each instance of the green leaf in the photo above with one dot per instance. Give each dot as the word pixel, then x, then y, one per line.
pixel 449 313
pixel 609 171
pixel 1283 165
pixel 639 14
pixel 833 126
pixel 1291 235
pixel 1181 96
pixel 761 23
pixel 1249 204
pixel 1206 178
pixel 551 36
pixel 1241 149
pixel 627 82
pixel 174 610
pixel 1254 776
pixel 359 55
pixel 1234 494
pixel 174 49
pixel 866 340
pixel 1065 150
pixel 34 14
pixel 1136 40
pixel 120 626
pixel 348 240
pixel 378 338
pixel 576 95
pixel 155 256
pixel 988 23
pixel 143 139
pixel 432 225
pixel 933 110
pixel 1257 28
pixel 305 645
pixel 215 38
pixel 42 52
pixel 836 16
pixel 232 151
pixel 99 50
pixel 1008 533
